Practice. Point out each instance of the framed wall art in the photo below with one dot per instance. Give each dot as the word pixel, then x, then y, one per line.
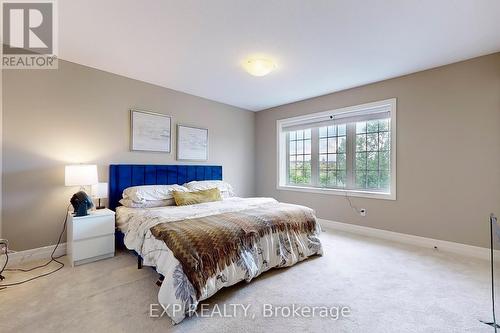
pixel 192 143
pixel 150 131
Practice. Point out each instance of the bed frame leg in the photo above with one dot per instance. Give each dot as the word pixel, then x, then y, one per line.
pixel 139 262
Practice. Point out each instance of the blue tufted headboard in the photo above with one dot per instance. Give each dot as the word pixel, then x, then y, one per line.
pixel 122 176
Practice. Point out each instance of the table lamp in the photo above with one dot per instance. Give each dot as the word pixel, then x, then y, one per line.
pixel 100 191
pixel 80 175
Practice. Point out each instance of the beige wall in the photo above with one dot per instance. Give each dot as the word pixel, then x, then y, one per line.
pixel 79 114
pixel 448 146
pixel 448 153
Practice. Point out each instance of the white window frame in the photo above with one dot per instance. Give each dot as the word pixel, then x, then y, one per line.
pixel 281 175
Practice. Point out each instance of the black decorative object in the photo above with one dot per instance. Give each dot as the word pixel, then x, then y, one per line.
pixel 81 203
pixel 494 230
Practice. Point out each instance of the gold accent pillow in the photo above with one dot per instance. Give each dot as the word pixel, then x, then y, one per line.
pixel 191 198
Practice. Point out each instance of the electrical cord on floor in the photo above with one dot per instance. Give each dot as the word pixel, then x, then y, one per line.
pixel 52 259
pixel 5 264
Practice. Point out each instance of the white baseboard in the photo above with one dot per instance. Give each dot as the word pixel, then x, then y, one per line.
pixel 20 257
pixel 451 247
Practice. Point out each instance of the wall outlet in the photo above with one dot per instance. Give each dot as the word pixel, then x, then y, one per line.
pixel 362 212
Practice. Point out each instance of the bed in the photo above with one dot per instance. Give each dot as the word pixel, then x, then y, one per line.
pixel 202 248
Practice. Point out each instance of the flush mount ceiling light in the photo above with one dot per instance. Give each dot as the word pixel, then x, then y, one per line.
pixel 259 66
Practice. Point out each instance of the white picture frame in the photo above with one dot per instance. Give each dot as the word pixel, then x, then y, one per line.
pixel 150 131
pixel 192 143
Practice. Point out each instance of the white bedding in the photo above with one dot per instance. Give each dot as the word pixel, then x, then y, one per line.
pixel 274 250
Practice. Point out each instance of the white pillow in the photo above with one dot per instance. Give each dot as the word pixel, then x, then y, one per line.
pixel 148 204
pixel 226 190
pixel 141 194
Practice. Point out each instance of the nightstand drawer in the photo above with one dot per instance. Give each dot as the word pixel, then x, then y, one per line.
pixel 88 248
pixel 93 227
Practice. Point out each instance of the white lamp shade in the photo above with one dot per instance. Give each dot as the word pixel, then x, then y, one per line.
pixel 80 175
pixel 100 190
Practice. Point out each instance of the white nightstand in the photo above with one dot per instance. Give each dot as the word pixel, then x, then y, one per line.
pixel 91 237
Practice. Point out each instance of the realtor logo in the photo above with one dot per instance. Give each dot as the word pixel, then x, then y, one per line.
pixel 28 35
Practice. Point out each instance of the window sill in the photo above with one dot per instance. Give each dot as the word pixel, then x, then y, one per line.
pixel 332 191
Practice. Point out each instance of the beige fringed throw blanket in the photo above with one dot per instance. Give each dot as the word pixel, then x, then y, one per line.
pixel 207 244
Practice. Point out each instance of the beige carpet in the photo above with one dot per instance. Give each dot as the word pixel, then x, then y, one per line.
pixel 388 286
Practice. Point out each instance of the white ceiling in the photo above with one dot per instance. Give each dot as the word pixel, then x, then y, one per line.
pixel 321 46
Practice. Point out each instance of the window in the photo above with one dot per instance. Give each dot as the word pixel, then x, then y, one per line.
pixel 299 167
pixel 373 155
pixel 349 150
pixel 332 156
